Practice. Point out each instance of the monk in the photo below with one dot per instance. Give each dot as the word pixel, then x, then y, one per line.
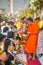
pixel 31 43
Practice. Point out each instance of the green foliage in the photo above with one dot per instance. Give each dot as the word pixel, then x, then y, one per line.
pixel 31 12
pixel 27 13
pixel 3 18
pixel 38 4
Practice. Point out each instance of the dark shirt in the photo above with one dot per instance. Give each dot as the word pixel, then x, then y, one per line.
pixel 10 58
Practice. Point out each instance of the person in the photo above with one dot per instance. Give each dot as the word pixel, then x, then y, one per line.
pixel 20 51
pixel 11 35
pixel 17 43
pixel 1 62
pixel 2 38
pixel 7 55
pixel 40 24
pixel 39 51
pixel 31 43
pixel 37 19
pixel 3 24
pixel 11 25
pixel 19 23
pixel 2 42
pixel 5 30
pixel 0 28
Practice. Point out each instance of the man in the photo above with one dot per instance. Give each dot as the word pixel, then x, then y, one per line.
pixel 31 43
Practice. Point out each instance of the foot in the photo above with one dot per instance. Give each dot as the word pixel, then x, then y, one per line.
pixel 33 58
pixel 29 57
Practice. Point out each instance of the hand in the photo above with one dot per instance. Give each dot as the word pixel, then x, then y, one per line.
pixel 18 51
pixel 15 58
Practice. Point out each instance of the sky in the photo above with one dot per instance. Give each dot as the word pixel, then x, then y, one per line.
pixel 17 4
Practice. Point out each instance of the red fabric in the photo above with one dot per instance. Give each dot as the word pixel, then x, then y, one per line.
pixel 34 62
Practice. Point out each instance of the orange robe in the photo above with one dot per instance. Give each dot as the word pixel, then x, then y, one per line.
pixel 31 43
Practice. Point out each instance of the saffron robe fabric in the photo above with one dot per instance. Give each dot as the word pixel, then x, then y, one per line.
pixel 31 43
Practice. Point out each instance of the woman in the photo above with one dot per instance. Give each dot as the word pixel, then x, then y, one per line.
pixel 31 43
pixel 40 43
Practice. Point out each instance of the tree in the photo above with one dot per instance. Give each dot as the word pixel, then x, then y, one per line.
pixel 3 18
pixel 27 13
pixel 38 4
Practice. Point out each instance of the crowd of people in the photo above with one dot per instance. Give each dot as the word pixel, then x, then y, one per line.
pixel 19 39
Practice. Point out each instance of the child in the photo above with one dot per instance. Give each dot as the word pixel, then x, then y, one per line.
pixel 7 55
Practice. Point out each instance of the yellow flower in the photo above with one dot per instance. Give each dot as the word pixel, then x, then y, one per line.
pixel 40 24
pixel 1 51
pixel 18 25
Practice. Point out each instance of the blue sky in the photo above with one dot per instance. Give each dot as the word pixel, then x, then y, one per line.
pixel 17 4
